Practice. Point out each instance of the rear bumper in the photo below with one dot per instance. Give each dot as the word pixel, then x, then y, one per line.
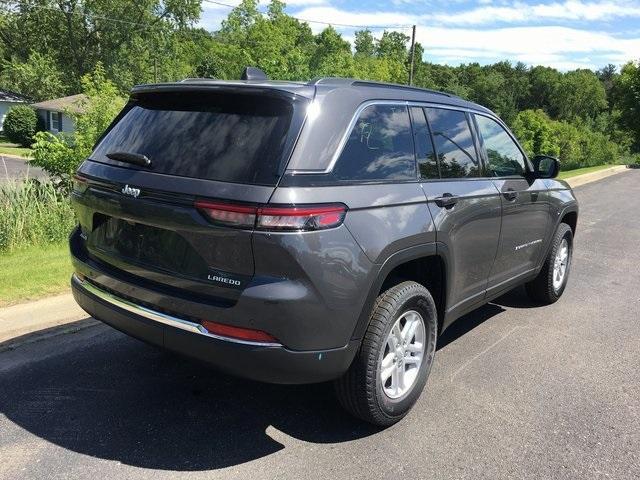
pixel 271 363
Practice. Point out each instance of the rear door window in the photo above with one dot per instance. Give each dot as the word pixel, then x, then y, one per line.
pixel 454 143
pixel 214 136
pixel 425 155
pixel 380 146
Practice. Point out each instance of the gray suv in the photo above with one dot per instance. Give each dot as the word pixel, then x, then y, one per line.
pixel 309 232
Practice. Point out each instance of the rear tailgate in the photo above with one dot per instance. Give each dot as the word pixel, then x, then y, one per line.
pixel 143 221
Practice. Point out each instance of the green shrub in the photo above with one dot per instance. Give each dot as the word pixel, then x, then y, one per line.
pixel 33 213
pixel 21 124
pixel 576 144
pixel 61 155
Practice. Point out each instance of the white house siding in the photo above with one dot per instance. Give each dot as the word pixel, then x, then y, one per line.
pixel 4 108
pixel 68 125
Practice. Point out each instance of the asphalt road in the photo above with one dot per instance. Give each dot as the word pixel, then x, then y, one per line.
pixel 515 392
pixel 12 168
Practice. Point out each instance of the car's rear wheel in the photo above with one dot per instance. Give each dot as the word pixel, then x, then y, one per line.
pixel 550 283
pixel 394 360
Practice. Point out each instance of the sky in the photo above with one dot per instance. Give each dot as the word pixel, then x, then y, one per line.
pixel 562 34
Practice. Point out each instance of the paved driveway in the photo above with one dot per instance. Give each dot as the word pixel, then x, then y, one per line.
pixel 13 168
pixel 516 392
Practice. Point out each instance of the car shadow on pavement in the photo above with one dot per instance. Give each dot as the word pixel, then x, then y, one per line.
pixel 121 400
pixel 516 298
pixel 118 399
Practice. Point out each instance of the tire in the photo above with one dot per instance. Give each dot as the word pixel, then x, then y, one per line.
pixel 542 289
pixel 361 390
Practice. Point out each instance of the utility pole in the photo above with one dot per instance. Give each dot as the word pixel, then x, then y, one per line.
pixel 413 53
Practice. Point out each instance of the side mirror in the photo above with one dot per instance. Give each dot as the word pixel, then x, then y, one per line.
pixel 545 166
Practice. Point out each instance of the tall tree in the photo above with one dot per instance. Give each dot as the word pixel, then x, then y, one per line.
pixel 543 82
pixel 364 43
pixel 607 76
pixel 578 95
pixel 627 99
pixel 37 79
pixel 332 55
pixel 80 33
pixel 393 45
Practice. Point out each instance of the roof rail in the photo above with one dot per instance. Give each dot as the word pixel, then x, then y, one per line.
pixel 367 83
pixel 194 79
pixel 340 81
pixel 331 80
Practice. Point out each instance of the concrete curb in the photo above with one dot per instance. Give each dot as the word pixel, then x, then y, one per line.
pixel 10 155
pixel 38 335
pixel 594 176
pixel 25 318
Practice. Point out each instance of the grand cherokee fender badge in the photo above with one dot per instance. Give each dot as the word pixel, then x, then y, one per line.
pixel 127 190
pixel 528 244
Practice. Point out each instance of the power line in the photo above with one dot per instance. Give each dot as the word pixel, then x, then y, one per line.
pixel 74 12
pixel 346 25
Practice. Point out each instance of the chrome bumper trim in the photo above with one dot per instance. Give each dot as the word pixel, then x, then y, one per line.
pixel 162 317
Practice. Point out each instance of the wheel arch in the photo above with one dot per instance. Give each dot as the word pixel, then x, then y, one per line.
pixel 570 217
pixel 424 264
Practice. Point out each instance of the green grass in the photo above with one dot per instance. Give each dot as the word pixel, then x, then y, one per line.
pixel 8 148
pixel 580 171
pixel 34 272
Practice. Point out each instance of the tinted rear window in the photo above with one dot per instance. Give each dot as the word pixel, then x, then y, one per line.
pixel 379 147
pixel 214 136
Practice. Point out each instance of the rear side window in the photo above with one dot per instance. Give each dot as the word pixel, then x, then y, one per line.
pixel 379 147
pixel 214 136
pixel 503 155
pixel 454 143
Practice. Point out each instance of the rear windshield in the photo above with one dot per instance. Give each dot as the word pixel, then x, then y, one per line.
pixel 226 137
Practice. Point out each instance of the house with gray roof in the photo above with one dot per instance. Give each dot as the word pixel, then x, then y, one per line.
pixel 55 112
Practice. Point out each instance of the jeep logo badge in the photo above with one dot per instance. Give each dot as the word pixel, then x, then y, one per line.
pixel 127 190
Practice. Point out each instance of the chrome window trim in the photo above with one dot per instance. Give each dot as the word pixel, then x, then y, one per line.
pixel 356 116
pixel 162 317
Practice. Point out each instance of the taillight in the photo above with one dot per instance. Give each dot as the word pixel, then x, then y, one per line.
pixel 317 217
pixel 80 184
pixel 239 333
pixel 229 215
pixel 280 218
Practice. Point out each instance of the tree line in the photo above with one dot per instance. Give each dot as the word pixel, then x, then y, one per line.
pixel 47 47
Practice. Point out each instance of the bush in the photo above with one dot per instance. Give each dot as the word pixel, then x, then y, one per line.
pixel 577 144
pixel 61 155
pixel 33 213
pixel 21 124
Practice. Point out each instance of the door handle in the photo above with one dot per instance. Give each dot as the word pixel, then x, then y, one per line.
pixel 447 200
pixel 510 194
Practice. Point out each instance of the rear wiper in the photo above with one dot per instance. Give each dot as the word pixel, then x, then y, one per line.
pixel 127 157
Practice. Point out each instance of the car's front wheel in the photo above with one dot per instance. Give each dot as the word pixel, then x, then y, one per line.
pixel 550 283
pixel 394 360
